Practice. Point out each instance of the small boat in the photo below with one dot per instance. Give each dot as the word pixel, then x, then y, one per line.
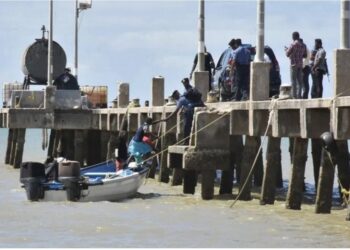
pixel 100 182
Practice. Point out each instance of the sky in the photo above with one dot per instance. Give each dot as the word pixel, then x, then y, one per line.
pixel 133 41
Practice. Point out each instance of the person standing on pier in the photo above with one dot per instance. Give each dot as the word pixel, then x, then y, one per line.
pixel 306 72
pixel 240 66
pixel 209 65
pixel 296 52
pixel 188 101
pixel 66 81
pixel 318 69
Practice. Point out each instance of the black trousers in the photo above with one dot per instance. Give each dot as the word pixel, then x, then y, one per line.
pixel 242 80
pixel 317 85
pixel 306 85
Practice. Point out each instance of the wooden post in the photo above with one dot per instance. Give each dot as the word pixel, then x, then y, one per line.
pixel 343 165
pixel 249 154
pixel 316 151
pixel 227 176
pixel 291 148
pixel 190 181
pixel 93 144
pixel 259 168
pixel 51 149
pixel 208 178
pixel 177 177
pixel 164 171
pixel 79 153
pixel 104 145
pixel 13 147
pixel 295 190
pixel 9 145
pixel 325 184
pixel 112 144
pixel 19 147
pixel 273 160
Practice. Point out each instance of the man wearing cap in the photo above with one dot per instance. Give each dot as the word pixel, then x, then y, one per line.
pixel 318 69
pixel 187 102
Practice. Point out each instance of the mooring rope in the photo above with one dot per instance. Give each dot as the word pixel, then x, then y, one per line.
pixel 343 190
pixel 273 103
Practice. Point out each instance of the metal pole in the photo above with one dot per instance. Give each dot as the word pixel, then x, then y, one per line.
pixel 261 32
pixel 49 56
pixel 344 25
pixel 201 36
pixel 76 40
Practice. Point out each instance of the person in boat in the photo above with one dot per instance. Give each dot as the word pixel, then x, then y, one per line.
pixel 188 101
pixel 141 143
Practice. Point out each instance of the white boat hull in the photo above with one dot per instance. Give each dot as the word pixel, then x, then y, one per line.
pixel 112 189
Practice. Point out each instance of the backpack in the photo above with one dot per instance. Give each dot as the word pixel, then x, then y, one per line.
pixel 193 95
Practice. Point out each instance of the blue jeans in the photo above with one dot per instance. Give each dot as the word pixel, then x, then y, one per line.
pixel 296 77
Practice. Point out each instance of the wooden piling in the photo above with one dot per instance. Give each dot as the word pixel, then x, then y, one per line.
pixel 259 168
pixel 325 184
pixel 343 166
pixel 208 179
pixel 13 147
pixel 164 171
pixel 93 147
pixel 51 149
pixel 9 145
pixel 21 133
pixel 104 145
pixel 273 163
pixel 227 176
pixel 112 144
pixel 296 185
pixel 79 154
pixel 316 151
pixel 249 154
pixel 177 177
pixel 190 181
pixel 291 148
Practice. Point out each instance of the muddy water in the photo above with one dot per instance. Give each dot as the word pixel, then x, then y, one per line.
pixel 160 216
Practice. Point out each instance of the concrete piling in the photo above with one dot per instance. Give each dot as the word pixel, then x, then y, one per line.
pixel 21 133
pixel 295 190
pixel 190 181
pixel 273 160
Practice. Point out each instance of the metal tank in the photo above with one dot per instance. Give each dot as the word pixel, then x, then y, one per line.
pixel 34 61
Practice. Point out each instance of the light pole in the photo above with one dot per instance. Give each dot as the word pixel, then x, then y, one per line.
pixel 261 26
pixel 80 5
pixel 201 36
pixel 345 24
pixel 49 54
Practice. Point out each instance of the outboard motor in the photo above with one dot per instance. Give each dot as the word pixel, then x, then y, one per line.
pixel 32 175
pixel 69 175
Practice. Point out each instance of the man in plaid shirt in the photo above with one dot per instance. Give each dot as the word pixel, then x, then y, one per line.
pixel 296 52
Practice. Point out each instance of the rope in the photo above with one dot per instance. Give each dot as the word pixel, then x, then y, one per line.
pixel 344 191
pixel 273 103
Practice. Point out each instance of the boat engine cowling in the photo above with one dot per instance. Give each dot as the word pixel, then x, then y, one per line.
pixel 69 175
pixel 32 175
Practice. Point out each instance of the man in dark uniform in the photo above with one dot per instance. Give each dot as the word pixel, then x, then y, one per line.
pixel 241 62
pixel 209 65
pixel 66 81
